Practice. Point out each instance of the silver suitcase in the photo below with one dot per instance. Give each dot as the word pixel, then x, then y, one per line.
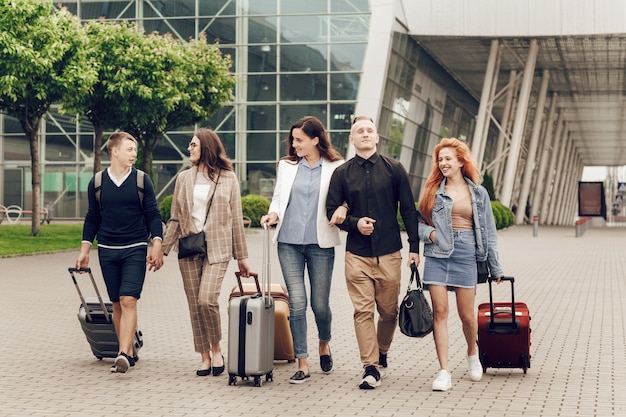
pixel 251 331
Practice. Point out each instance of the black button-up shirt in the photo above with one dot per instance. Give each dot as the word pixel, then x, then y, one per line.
pixel 373 188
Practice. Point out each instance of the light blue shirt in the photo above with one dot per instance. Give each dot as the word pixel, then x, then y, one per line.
pixel 299 224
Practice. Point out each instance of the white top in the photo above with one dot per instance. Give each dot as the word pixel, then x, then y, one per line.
pixel 200 200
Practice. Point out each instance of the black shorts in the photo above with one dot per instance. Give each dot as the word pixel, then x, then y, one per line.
pixel 124 270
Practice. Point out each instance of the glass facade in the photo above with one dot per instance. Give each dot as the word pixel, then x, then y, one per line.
pixel 292 58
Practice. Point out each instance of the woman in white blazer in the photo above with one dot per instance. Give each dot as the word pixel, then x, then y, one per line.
pixel 305 236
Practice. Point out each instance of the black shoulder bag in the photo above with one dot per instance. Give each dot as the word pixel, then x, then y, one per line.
pixel 195 243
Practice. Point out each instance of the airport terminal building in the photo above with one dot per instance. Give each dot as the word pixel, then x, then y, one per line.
pixel 536 88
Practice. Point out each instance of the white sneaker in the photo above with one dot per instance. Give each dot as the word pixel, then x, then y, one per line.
pixel 475 368
pixel 443 382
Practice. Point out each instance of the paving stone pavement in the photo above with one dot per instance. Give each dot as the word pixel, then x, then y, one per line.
pixel 575 289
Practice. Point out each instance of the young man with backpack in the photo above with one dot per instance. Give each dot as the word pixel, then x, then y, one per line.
pixel 122 216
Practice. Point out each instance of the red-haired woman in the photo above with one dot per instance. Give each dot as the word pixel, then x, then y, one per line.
pixel 457 230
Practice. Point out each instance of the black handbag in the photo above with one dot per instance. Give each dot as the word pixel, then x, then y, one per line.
pixel 195 243
pixel 483 271
pixel 416 316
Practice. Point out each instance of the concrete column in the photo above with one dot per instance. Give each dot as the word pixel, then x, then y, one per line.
pixel 492 95
pixel 532 148
pixel 556 189
pixel 518 128
pixel 544 157
pixel 504 128
pixel 549 185
pixel 482 121
pixel 564 189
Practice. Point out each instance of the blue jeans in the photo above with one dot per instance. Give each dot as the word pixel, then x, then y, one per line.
pixel 319 263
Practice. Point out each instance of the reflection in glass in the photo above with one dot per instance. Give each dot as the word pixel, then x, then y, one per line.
pixel 349 28
pixel 183 29
pixel 223 119
pixel 344 86
pixel 289 114
pixel 303 58
pixel 303 6
pixel 262 30
pixel 349 6
pixel 262 58
pixel 298 87
pixel 107 10
pixel 261 178
pixel 347 57
pixel 220 30
pixel 60 148
pixel 261 7
pixel 301 29
pixel 341 116
pixel 262 87
pixel 261 146
pixel 223 7
pixel 261 118
pixel 169 8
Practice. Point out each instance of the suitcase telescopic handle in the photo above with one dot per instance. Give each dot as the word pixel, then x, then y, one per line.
pixel 252 275
pixel 512 281
pixel 73 271
pixel 265 277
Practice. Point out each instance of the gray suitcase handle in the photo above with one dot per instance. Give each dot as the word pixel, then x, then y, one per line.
pixel 265 276
pixel 73 271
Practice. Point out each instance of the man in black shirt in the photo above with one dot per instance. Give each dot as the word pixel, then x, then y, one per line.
pixel 372 186
pixel 122 220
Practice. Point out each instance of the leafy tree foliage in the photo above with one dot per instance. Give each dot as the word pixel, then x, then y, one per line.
pixel 160 83
pixel 43 60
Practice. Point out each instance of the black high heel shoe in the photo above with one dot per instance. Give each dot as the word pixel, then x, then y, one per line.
pixel 217 370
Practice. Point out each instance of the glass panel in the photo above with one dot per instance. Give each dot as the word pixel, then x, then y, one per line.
pixel 228 140
pixel 180 28
pixel 261 179
pixel 85 146
pixel 303 6
pixel 13 187
pixel 303 29
pixel 349 28
pixel 344 86
pixel 261 118
pixel 341 141
pixel 290 113
pixel 224 119
pixel 221 30
pixel 349 6
pixel 303 58
pixel 262 30
pixel 11 125
pixel 173 147
pixel 60 148
pixel 262 58
pixel 211 8
pixel 16 148
pixel 341 116
pixel 261 146
pixel 303 87
pixel 347 57
pixel 233 56
pixel 108 10
pixel 169 8
pixel 262 7
pixel 262 87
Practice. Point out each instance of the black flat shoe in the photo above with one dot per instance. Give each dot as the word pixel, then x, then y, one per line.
pixel 203 372
pixel 326 362
pixel 217 370
pixel 299 378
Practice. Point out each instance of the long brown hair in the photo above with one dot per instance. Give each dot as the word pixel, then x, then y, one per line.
pixel 313 128
pixel 468 169
pixel 212 152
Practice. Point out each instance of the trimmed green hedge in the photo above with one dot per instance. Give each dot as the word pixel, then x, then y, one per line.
pixel 165 208
pixel 502 215
pixel 255 206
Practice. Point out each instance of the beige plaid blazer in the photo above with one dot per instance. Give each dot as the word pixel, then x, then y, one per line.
pixel 225 234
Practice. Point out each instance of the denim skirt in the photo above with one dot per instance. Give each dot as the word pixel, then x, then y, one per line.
pixel 459 270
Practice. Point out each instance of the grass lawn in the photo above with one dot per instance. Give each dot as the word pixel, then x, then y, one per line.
pixel 15 239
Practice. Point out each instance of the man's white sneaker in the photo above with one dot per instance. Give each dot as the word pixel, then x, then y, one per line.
pixel 443 381
pixel 475 368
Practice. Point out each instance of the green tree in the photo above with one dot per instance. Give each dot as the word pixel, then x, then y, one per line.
pixel 162 83
pixel 43 59
pixel 109 42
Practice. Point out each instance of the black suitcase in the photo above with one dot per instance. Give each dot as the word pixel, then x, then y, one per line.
pixel 96 319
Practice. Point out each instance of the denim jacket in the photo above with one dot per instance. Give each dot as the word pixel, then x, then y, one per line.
pixel 484 228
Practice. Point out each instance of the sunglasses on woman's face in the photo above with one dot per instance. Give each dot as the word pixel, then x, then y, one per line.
pixel 193 145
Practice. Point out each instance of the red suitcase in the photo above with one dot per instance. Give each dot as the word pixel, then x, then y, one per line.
pixel 504 332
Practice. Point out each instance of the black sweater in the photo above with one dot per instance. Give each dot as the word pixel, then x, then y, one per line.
pixel 122 221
